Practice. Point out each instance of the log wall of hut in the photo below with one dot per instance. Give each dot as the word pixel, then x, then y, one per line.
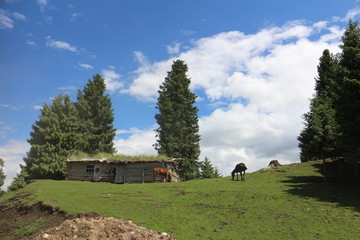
pixel 118 172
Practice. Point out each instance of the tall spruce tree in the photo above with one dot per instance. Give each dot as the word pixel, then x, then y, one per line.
pixel 53 138
pixel 348 107
pixel 318 139
pixel 96 118
pixel 177 135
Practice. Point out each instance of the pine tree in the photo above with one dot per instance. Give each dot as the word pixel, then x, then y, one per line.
pixel 207 169
pixel 348 107
pixel 177 134
pixel 53 139
pixel 20 179
pixel 318 139
pixel 96 118
pixel 2 175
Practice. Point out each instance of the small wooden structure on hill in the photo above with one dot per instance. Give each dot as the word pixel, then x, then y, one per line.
pixel 126 170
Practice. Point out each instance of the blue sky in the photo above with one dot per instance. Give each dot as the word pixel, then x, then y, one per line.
pixel 252 64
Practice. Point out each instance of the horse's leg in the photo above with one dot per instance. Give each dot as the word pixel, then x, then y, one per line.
pixel 155 175
pixel 244 175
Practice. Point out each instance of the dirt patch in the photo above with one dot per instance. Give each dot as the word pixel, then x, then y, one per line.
pixel 20 222
pixel 40 221
pixel 93 228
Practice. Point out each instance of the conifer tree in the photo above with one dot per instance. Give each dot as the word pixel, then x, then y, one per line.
pixel 2 175
pixel 348 107
pixel 318 139
pixel 53 138
pixel 96 118
pixel 20 179
pixel 208 170
pixel 177 134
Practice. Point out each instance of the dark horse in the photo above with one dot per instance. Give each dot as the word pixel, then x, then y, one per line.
pixel 240 168
pixel 162 171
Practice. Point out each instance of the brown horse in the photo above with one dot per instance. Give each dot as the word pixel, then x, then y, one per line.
pixel 240 168
pixel 162 171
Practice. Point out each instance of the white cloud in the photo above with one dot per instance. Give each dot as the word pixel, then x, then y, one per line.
pixel 86 66
pixel 140 142
pixel 68 88
pixel 8 106
pixel 12 153
pixel 19 16
pixel 42 4
pixel 187 32
pixel 5 20
pixel 266 78
pixel 173 49
pixel 352 13
pixel 150 76
pixel 31 43
pixel 37 107
pixel 61 45
pixel 75 16
pixel 111 79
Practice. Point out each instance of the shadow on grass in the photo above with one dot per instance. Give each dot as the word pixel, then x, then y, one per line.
pixel 343 194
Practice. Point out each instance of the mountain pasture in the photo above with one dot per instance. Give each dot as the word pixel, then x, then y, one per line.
pixel 289 202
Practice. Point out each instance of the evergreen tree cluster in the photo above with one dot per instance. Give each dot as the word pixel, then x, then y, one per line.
pixel 64 128
pixel 332 126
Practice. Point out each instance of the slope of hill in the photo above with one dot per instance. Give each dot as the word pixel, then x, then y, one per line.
pixel 290 202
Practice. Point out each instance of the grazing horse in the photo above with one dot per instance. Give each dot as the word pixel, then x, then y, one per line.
pixel 162 171
pixel 240 168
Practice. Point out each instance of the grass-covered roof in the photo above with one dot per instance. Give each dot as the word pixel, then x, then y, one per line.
pixel 119 157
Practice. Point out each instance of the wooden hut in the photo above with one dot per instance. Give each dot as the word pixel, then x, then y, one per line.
pixel 119 171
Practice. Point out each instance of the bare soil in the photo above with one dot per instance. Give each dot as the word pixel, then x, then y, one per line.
pixel 56 226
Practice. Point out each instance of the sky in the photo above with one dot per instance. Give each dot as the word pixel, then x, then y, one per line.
pixel 252 65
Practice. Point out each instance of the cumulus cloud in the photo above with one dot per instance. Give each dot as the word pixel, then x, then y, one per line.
pixel 263 80
pixel 149 76
pixel 60 45
pixel 112 79
pixel 12 153
pixel 140 142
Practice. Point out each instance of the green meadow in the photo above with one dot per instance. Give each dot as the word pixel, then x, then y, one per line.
pixel 290 202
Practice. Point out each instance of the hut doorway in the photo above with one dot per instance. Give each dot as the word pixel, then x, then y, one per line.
pixel 97 172
pixel 119 174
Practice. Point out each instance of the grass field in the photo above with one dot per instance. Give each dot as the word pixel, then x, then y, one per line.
pixel 291 202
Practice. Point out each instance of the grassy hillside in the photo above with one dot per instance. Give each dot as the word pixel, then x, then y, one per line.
pixel 290 202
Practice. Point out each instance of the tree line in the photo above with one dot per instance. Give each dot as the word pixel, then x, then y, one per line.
pixel 86 126
pixel 332 125
pixel 65 128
